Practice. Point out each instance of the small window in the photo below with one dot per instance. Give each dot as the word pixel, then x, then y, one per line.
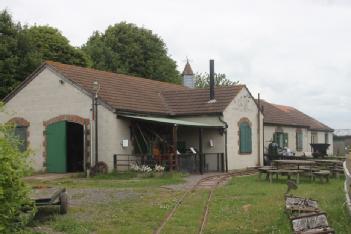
pixel 299 141
pixel 281 138
pixel 245 138
pixel 21 135
pixel 326 138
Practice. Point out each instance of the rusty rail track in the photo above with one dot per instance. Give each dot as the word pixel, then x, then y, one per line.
pixel 201 184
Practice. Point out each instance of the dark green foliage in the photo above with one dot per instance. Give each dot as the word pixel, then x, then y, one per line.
pixel 125 48
pixel 47 43
pixel 202 80
pixel 9 59
pixel 23 49
pixel 13 192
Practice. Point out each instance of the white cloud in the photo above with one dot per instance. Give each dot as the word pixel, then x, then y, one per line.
pixel 294 52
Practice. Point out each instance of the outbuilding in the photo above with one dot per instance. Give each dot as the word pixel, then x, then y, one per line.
pixel 291 128
pixel 73 117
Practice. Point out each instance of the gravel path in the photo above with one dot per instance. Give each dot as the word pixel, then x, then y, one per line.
pixel 81 196
pixel 190 181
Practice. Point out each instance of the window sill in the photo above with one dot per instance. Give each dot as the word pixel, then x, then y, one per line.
pixel 245 153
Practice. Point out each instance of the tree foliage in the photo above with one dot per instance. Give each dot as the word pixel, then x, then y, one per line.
pixel 13 191
pixel 202 80
pixel 23 49
pixel 126 48
pixel 9 59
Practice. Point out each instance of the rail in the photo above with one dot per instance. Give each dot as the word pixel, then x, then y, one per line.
pixel 347 184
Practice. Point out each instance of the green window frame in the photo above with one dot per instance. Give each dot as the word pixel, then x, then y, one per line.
pixel 299 141
pixel 281 138
pixel 245 138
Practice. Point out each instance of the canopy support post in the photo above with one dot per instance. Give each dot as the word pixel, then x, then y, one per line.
pixel 201 159
pixel 175 140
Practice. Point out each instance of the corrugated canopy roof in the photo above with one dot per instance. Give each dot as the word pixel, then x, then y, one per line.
pixel 174 121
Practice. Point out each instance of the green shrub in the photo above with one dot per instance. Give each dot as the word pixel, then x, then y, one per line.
pixel 13 192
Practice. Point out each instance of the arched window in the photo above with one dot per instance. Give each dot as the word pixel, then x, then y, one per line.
pixel 21 131
pixel 245 138
pixel 21 135
pixel 299 140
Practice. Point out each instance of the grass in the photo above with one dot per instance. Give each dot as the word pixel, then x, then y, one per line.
pixel 244 205
pixel 187 218
pixel 114 180
pixel 247 205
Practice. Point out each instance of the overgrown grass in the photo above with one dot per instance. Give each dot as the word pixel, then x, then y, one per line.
pixel 244 205
pixel 114 180
pixel 248 205
pixel 140 214
pixel 188 216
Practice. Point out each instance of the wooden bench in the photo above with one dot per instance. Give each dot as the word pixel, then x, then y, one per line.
pixel 284 172
pixel 337 172
pixel 322 174
pixel 263 170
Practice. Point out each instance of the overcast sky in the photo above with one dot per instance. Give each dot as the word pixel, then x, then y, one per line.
pixel 294 52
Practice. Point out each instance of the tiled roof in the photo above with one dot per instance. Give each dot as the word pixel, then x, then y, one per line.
pixel 196 101
pixel 286 115
pixel 134 94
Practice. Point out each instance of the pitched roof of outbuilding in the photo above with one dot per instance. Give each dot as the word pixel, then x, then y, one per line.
pixel 120 91
pixel 140 95
pixel 196 101
pixel 287 115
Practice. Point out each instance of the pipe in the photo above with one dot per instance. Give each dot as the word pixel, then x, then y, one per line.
pixel 225 142
pixel 212 94
pixel 259 129
pixel 96 131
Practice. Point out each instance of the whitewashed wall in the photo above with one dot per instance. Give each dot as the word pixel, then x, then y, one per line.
pixel 270 130
pixel 243 106
pixel 45 98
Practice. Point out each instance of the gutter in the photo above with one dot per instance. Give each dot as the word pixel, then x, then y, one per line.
pixel 225 142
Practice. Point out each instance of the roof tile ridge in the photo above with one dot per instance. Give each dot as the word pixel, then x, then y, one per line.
pixel 50 62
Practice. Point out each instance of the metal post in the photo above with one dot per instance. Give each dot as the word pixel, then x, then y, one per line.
pixel 96 131
pixel 115 162
pixel 259 129
pixel 175 140
pixel 201 151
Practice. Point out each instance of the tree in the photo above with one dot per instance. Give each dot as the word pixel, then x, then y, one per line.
pixel 47 43
pixel 202 80
pixel 9 59
pixel 23 49
pixel 13 191
pixel 126 48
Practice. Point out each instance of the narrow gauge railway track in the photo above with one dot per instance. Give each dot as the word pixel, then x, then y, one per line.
pixel 211 183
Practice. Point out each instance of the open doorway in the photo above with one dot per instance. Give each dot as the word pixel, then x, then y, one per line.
pixel 65 147
pixel 75 147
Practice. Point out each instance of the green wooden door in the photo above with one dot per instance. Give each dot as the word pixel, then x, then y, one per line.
pixel 56 147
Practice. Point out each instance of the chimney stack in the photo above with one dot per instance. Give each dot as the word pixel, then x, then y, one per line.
pixel 212 92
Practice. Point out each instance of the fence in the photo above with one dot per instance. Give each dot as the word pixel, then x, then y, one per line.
pixel 347 185
pixel 212 162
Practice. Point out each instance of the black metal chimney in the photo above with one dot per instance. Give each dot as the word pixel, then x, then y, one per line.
pixel 212 94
